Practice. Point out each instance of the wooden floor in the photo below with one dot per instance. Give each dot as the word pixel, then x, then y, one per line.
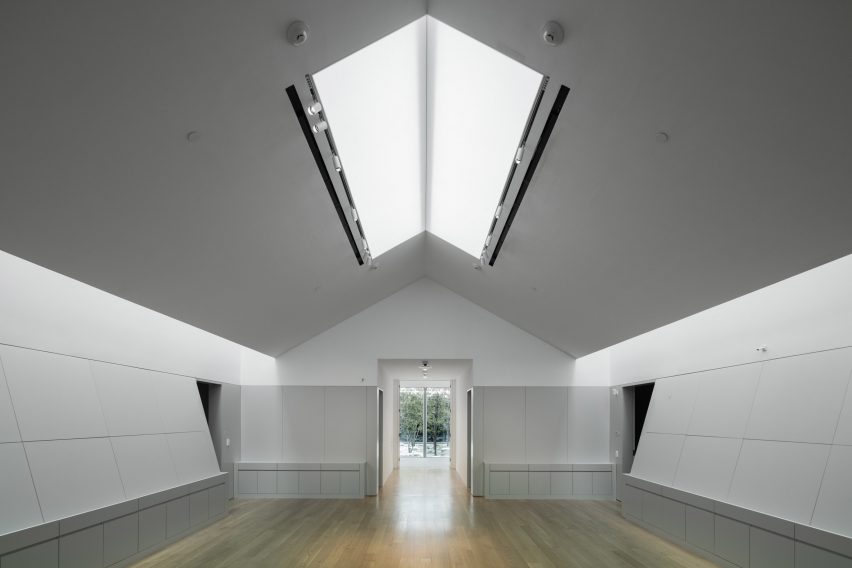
pixel 423 517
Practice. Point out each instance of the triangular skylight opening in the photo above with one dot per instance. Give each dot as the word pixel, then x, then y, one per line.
pixel 426 124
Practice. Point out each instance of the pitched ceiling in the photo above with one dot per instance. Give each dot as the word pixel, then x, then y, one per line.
pixel 235 233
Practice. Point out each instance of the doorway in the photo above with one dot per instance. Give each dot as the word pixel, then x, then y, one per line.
pixel 630 406
pixel 469 445
pixel 425 414
pixel 210 395
pixel 381 431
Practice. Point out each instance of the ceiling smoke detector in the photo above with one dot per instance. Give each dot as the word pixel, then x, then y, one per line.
pixel 552 33
pixel 297 33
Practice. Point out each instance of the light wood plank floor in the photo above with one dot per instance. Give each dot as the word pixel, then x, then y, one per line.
pixel 423 517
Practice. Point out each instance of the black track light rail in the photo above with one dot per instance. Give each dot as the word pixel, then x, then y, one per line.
pixel 326 177
pixel 534 160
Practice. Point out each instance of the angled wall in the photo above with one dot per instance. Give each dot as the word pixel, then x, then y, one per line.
pixel 772 437
pixel 98 397
pixel 78 435
pixel 745 451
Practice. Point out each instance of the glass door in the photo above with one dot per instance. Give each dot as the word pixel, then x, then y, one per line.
pixel 437 422
pixel 424 422
pixel 411 422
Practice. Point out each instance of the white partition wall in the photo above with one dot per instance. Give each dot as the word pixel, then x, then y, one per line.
pixel 545 425
pixel 304 424
pixel 304 441
pixel 262 422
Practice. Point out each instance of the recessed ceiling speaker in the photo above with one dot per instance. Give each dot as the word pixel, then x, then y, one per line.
pixel 297 33
pixel 552 33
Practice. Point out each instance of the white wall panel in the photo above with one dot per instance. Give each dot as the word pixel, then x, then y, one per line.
pixel 193 455
pixel 128 401
pixel 724 401
pixel 657 457
pixel 54 395
pixel 799 398
pixel 844 427
pixel 779 478
pixel 179 403
pixel 304 424
pixel 588 425
pixel 8 425
pixel 671 405
pixel 546 424
pixel 706 465
pixel 261 423
pixel 834 505
pixel 345 424
pixel 144 464
pixel 73 476
pixel 504 425
pixel 18 503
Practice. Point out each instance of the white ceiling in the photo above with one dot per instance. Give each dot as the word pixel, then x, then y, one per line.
pixel 235 232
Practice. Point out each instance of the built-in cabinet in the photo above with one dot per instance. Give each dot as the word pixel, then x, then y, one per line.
pixel 549 481
pixel 314 480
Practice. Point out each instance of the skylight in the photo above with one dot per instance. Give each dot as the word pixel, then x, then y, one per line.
pixel 427 122
pixel 479 101
pixel 374 102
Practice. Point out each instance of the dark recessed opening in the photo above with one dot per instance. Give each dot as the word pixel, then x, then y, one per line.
pixel 643 400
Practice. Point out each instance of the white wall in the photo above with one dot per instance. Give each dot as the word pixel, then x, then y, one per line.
pixel 312 424
pixel 425 320
pixel 463 383
pixel 545 424
pixel 803 314
pixel 41 309
pixel 390 431
pixel 594 369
